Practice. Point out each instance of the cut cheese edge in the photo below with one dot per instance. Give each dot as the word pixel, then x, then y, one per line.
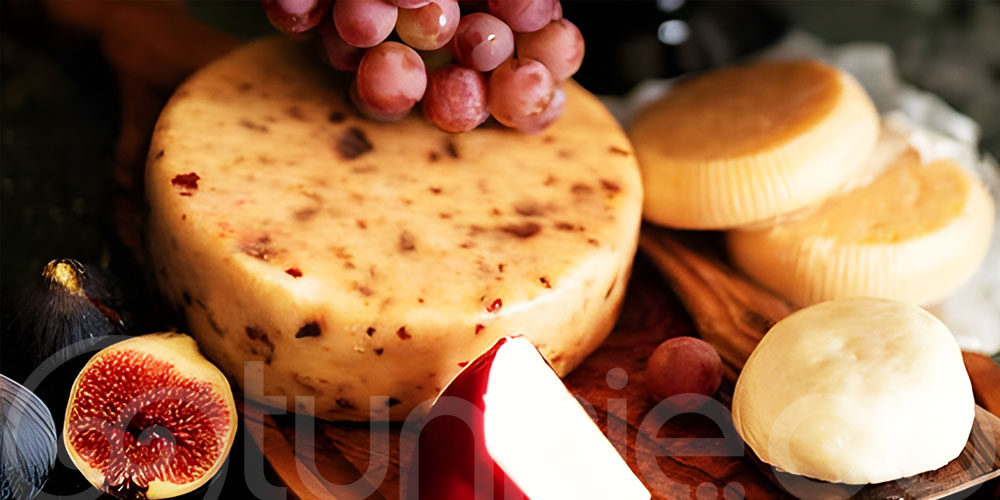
pixel 747 144
pixel 358 259
pixel 915 234
pixel 542 438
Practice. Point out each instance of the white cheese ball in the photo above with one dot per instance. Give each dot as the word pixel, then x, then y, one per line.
pixel 856 391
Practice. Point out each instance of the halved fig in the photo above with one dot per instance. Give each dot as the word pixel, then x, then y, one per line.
pixel 507 428
pixel 150 417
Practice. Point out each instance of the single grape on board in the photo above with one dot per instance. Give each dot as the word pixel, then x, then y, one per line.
pixel 682 366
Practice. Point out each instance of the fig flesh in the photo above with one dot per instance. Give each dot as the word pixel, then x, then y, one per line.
pixel 27 442
pixel 150 417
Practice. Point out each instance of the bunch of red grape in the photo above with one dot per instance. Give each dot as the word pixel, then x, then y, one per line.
pixel 507 62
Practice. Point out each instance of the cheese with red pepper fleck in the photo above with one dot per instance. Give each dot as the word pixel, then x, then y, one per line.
pixel 356 259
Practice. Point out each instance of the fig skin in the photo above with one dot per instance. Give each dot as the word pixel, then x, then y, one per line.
pixel 72 306
pixel 183 362
pixel 683 365
pixel 27 442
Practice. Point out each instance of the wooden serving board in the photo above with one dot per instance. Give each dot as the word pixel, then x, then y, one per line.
pixel 690 456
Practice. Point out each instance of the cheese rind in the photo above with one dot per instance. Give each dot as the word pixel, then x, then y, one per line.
pixel 746 144
pixel 915 233
pixel 871 390
pixel 358 259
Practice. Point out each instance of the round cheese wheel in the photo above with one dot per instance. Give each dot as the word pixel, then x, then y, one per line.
pixel 748 143
pixel 915 234
pixel 359 260
pixel 855 391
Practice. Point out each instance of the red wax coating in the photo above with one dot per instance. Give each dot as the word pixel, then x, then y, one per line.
pixel 452 448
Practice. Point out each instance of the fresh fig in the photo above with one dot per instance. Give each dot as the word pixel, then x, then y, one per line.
pixel 59 317
pixel 27 442
pixel 150 417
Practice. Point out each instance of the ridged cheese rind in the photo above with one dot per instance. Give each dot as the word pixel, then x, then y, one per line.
pixel 915 234
pixel 356 259
pixel 747 144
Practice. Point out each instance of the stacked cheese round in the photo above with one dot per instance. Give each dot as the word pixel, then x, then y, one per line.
pixel 820 204
pixel 915 233
pixel 357 259
pixel 746 144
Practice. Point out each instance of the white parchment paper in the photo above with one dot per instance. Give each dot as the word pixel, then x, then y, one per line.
pixel 932 127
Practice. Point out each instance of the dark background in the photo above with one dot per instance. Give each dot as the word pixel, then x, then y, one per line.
pixel 73 137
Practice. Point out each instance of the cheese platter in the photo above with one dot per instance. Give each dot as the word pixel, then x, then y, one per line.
pixel 513 285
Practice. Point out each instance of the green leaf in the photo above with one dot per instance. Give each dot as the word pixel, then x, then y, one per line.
pixel 242 18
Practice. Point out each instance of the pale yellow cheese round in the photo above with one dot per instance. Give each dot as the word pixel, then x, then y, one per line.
pixel 749 143
pixel 915 233
pixel 855 391
pixel 357 259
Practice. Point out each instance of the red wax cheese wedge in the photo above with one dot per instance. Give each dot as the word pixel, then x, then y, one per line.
pixel 507 428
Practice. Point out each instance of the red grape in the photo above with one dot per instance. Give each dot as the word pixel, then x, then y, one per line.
pixel 429 27
pixel 548 116
pixel 409 4
pixel 683 365
pixel 456 98
pixel 522 95
pixel 556 10
pixel 364 23
pixel 295 16
pixel 559 46
pixel 339 53
pixel 523 15
pixel 482 41
pixel 367 111
pixel 391 79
